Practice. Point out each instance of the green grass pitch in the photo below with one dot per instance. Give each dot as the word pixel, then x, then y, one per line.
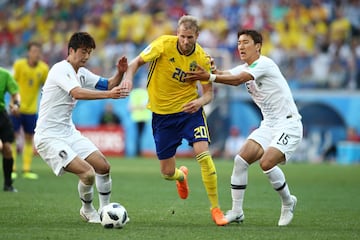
pixel 48 208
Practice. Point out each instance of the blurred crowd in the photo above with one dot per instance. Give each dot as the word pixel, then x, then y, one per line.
pixel 315 42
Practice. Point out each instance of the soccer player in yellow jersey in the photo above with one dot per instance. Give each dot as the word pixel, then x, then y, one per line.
pixel 30 74
pixel 177 106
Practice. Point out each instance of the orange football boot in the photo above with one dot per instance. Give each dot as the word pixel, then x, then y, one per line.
pixel 182 186
pixel 218 217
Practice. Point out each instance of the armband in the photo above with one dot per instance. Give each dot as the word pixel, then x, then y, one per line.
pixel 212 77
pixel 102 84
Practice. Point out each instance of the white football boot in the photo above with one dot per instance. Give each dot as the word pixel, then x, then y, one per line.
pixel 287 212
pixel 232 216
pixel 91 217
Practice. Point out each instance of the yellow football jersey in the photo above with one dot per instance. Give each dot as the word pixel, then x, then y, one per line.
pixel 168 92
pixel 30 79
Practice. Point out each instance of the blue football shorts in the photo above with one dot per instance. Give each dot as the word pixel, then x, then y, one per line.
pixel 27 121
pixel 170 129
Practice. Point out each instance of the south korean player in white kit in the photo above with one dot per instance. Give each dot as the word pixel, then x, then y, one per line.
pixel 280 132
pixel 57 140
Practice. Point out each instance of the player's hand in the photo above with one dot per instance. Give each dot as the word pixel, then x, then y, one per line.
pixel 122 64
pixel 14 109
pixel 199 75
pixel 118 92
pixel 212 63
pixel 213 67
pixel 126 85
pixel 192 106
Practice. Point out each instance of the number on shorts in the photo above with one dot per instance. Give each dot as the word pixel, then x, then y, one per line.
pixel 284 139
pixel 200 132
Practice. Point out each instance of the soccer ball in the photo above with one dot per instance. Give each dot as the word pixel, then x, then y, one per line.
pixel 114 215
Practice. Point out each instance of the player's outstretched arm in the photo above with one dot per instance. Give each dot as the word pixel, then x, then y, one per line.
pixel 88 94
pixel 228 79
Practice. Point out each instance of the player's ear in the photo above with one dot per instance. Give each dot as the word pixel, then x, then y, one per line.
pixel 258 47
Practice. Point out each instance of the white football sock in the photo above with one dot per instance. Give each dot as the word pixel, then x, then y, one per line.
pixel 103 186
pixel 278 182
pixel 86 194
pixel 239 181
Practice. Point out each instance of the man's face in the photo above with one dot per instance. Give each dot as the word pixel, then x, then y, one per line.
pixel 80 56
pixel 34 54
pixel 247 48
pixel 187 39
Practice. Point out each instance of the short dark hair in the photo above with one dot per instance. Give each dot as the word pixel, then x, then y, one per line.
pixel 33 43
pixel 255 35
pixel 81 40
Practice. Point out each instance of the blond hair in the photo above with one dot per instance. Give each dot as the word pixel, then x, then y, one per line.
pixel 189 22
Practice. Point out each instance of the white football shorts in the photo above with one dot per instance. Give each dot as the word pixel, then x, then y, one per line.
pixel 59 152
pixel 286 136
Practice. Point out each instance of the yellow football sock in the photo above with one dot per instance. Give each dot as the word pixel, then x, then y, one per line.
pixel 27 156
pixel 209 177
pixel 178 175
pixel 14 153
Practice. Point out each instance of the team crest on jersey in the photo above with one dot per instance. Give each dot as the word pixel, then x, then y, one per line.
pixel 193 66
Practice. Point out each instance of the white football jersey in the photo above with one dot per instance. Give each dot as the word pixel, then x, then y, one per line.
pixel 56 104
pixel 269 90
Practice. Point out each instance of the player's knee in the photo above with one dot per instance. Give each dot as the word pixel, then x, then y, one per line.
pixel 104 168
pixel 98 161
pixel 266 165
